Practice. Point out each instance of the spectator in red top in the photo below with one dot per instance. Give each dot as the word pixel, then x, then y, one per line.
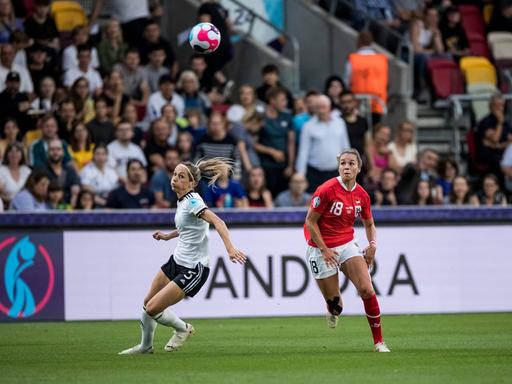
pixel 329 231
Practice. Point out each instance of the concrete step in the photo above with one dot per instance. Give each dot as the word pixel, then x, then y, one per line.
pixel 441 148
pixel 430 122
pixel 428 111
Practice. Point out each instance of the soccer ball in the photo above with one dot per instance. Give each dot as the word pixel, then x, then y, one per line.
pixel 204 38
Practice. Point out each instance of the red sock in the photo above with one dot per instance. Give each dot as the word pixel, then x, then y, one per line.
pixel 371 306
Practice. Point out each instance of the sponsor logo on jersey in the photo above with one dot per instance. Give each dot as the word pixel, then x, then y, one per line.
pixel 316 202
pixel 358 210
pixel 193 202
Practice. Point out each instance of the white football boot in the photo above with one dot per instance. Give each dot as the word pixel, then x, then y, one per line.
pixel 381 347
pixel 137 350
pixel 179 338
pixel 332 320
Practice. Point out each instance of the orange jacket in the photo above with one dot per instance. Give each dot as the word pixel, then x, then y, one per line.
pixel 370 75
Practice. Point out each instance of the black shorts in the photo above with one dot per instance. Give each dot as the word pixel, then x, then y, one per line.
pixel 190 280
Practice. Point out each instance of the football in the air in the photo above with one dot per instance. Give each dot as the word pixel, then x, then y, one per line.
pixel 204 38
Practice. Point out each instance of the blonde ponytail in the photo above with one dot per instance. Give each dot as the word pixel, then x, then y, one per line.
pixel 213 169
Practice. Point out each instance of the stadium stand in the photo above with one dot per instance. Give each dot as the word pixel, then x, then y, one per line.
pixel 116 89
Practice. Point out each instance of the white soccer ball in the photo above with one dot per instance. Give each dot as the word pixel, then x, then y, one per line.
pixel 204 38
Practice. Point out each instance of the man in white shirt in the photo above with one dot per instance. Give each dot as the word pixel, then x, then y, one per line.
pixel 135 85
pixel 84 70
pixel 122 149
pixel 69 55
pixel 7 65
pixel 165 95
pixel 322 138
pixel 98 176
pixel 155 69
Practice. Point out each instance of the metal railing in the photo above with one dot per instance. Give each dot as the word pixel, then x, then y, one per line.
pixel 367 106
pixel 403 46
pixel 457 115
pixel 252 17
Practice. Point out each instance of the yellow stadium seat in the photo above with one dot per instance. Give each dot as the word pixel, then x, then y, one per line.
pixel 68 15
pixel 31 136
pixel 501 44
pixel 478 70
pixel 488 10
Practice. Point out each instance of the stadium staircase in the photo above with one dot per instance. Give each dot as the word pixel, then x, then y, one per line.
pixel 433 130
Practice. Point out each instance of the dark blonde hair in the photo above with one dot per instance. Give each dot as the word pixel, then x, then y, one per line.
pixel 213 169
pixel 351 151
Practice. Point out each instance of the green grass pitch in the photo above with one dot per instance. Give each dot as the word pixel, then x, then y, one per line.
pixel 459 348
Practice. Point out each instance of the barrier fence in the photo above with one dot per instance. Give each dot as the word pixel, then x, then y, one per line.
pixel 80 273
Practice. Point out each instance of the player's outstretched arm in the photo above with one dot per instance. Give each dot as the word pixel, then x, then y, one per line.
pixel 158 235
pixel 234 254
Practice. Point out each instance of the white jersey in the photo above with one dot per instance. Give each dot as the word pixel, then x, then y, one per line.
pixel 193 231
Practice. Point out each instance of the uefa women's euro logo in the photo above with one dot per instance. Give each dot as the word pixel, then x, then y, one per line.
pixel 28 276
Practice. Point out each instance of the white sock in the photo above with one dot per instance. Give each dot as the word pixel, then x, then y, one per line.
pixel 147 326
pixel 169 319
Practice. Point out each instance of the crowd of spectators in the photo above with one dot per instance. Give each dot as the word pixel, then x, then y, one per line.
pixel 433 28
pixel 101 123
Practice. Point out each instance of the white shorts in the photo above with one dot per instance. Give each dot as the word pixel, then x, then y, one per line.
pixel 317 263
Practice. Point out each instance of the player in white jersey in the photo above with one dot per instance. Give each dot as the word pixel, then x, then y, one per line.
pixel 188 267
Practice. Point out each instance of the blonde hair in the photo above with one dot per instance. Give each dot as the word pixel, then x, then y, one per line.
pixel 190 75
pixel 110 23
pixel 351 151
pixel 213 169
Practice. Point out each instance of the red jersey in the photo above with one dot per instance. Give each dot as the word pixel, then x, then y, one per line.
pixel 339 208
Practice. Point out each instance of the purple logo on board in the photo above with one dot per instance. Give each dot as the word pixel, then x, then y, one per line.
pixel 31 267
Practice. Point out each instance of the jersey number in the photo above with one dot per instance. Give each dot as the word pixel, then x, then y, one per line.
pixel 314 267
pixel 336 208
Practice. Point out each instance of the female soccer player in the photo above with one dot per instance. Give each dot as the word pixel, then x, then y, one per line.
pixel 329 230
pixel 187 269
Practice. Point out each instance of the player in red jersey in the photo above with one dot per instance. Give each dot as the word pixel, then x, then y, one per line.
pixel 329 231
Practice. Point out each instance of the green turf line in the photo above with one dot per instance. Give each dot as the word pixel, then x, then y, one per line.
pixel 468 348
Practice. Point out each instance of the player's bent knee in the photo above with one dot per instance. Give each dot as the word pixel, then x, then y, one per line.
pixel 366 292
pixel 151 308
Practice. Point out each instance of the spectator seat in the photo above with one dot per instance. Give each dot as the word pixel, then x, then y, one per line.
pixel 478 45
pixel 472 20
pixel 68 15
pixel 474 167
pixel 501 45
pixel 446 77
pixel 478 70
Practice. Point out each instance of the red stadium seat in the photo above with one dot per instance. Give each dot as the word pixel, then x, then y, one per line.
pixel 474 167
pixel 478 45
pixel 472 20
pixel 446 77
